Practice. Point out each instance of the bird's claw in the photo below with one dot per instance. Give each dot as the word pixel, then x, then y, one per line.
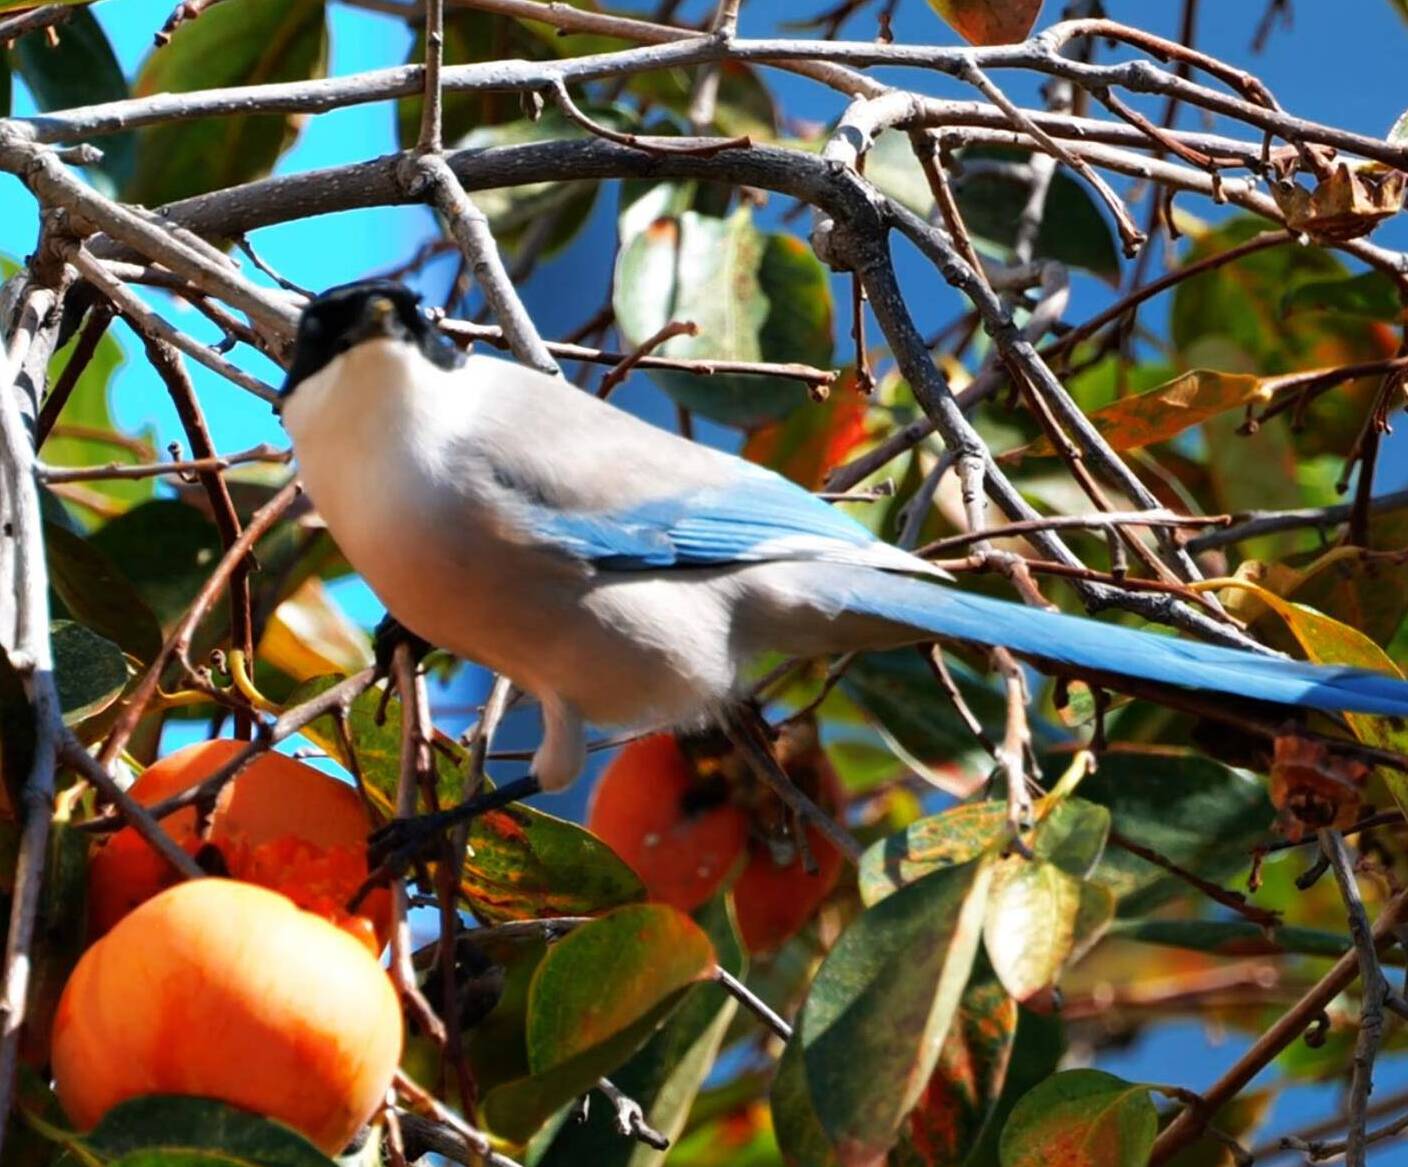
pixel 394 847
pixel 388 635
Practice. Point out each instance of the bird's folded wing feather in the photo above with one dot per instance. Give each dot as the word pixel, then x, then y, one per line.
pixel 755 518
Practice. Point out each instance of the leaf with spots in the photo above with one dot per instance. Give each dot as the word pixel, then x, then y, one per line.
pixel 1081 1118
pixel 1040 919
pixel 969 1077
pixel 879 1010
pixel 1070 835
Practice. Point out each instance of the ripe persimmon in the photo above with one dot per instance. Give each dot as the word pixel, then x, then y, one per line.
pixel 679 832
pixel 225 990
pixel 280 824
pixel 683 815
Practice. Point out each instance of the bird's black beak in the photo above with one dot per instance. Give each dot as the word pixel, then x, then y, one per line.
pixel 380 319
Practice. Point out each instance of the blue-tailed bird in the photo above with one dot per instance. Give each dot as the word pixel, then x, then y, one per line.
pixel 628 577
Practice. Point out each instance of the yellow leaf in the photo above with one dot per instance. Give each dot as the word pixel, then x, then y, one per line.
pixel 309 636
pixel 1328 642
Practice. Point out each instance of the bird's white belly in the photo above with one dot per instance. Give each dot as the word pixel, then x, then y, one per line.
pixel 625 649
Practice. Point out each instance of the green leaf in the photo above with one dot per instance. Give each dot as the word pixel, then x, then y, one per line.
pixel 1071 836
pixel 81 69
pixel 665 1075
pixel 891 165
pixel 1081 1118
pixel 96 593
pixel 1235 938
pixel 874 1023
pixel 1200 814
pixel 471 37
pixel 968 1079
pixel 1240 303
pixel 80 437
pixel 516 212
pixel 252 42
pixel 801 1137
pixel 1039 920
pixel 89 671
pixel 989 22
pixel 898 690
pixel 163 1129
pixel 649 955
pixel 521 863
pixel 1370 294
pixel 744 104
pixel 753 296
pixel 165 548
pixel 1073 230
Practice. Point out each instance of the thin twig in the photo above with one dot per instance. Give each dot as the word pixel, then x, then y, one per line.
pixel 31 655
pixel 431 114
pixel 617 373
pixel 1189 1123
pixel 753 1003
pixel 1373 991
pixel 124 470
pixel 415 761
pixel 178 643
pixel 429 174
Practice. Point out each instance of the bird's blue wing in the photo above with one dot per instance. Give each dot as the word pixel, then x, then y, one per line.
pixel 757 516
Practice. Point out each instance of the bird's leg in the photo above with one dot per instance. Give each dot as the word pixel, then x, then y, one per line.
pixel 746 729
pixel 392 848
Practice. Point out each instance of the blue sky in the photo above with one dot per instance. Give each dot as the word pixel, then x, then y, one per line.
pixel 1342 63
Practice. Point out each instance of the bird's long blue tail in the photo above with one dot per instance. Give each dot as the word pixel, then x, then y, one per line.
pixel 947 612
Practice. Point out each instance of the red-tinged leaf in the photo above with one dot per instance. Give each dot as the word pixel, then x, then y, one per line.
pixel 1166 411
pixel 596 997
pixel 810 442
pixel 1039 920
pixel 1081 1118
pixel 969 1077
pixel 881 1006
pixel 989 22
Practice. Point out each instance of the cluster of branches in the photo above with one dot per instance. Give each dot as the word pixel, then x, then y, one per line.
pixel 96 252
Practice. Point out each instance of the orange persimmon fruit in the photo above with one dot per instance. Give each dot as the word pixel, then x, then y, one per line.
pixel 674 815
pixel 650 809
pixel 227 990
pixel 279 824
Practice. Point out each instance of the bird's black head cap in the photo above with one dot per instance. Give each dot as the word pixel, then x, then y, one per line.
pixel 349 314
